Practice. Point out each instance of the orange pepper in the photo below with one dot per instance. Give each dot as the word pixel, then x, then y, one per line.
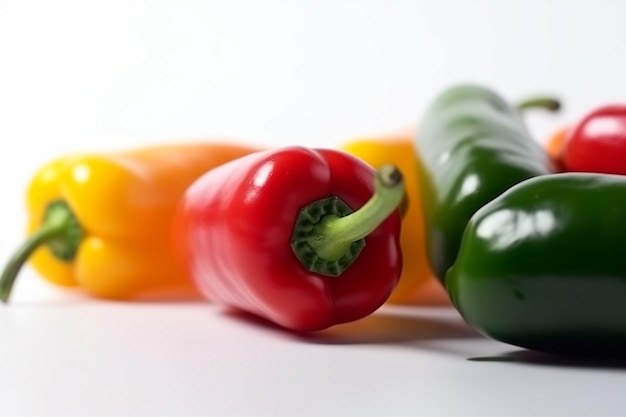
pixel 102 221
pixel 554 145
pixel 417 284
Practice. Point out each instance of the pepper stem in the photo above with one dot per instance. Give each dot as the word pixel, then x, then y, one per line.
pixel 333 235
pixel 59 230
pixel 328 236
pixel 547 103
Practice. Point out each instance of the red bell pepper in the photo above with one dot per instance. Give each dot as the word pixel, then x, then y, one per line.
pixel 597 143
pixel 274 234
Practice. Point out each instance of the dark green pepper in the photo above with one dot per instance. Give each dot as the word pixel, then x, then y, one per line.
pixel 543 266
pixel 471 146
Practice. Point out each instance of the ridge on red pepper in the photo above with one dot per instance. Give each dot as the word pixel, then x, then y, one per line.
pixel 305 238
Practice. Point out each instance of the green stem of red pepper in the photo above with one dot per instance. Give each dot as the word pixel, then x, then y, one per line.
pixel 328 236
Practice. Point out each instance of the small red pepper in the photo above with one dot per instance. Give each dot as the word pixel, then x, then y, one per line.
pixel 274 234
pixel 597 143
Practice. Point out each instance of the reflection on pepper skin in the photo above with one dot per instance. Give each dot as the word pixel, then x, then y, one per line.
pixel 472 145
pixel 542 266
pixel 597 142
pixel 506 228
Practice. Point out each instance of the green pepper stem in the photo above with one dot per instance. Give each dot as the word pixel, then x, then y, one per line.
pixel 332 237
pixel 59 230
pixel 547 103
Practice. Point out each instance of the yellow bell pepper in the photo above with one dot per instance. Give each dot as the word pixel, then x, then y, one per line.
pixel 102 221
pixel 417 284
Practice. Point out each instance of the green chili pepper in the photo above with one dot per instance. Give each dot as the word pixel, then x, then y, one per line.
pixel 542 266
pixel 472 146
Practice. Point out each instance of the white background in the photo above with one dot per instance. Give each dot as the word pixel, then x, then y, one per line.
pixel 99 75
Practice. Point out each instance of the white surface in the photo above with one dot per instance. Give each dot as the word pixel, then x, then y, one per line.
pixel 110 74
pixel 95 358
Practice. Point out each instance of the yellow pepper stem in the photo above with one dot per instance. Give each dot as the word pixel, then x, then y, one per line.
pixel 60 231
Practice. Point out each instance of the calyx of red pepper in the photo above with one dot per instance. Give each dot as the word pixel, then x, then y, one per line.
pixel 60 231
pixel 328 235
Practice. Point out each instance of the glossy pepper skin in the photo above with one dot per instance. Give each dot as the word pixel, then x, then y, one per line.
pixel 106 219
pixel 597 143
pixel 418 284
pixel 236 225
pixel 542 265
pixel 472 145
